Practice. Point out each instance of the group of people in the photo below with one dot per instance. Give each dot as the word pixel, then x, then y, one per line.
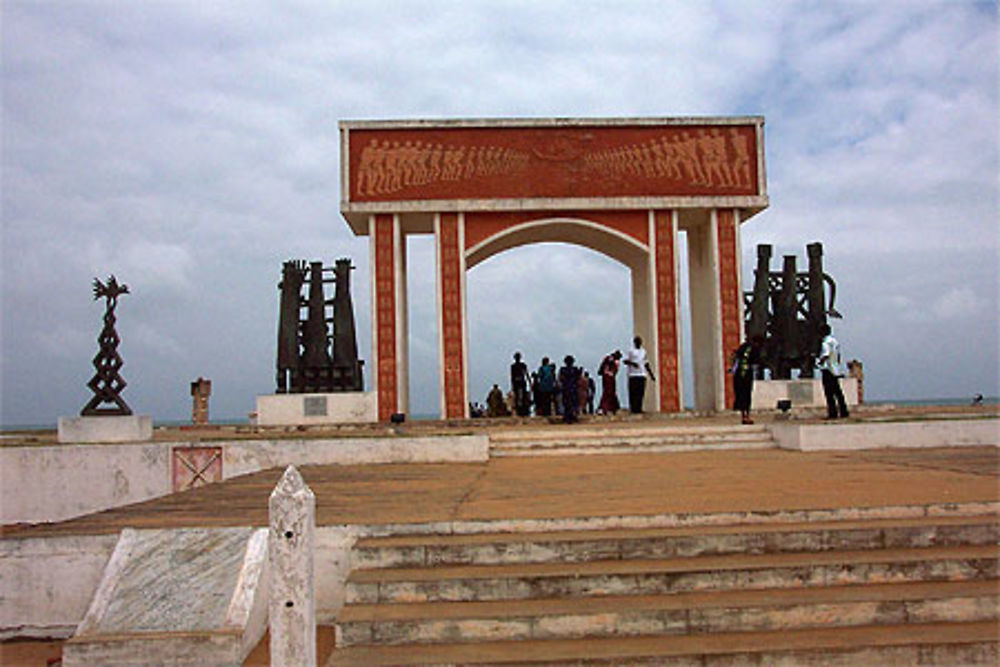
pixel 829 363
pixel 570 390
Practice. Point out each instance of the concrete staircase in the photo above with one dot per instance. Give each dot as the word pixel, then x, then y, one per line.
pixel 625 440
pixel 879 591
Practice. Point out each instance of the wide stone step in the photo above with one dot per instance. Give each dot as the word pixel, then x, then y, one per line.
pixel 682 613
pixel 916 644
pixel 580 546
pixel 671 575
pixel 617 442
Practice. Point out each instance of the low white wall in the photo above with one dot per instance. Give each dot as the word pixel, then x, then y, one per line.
pixel 881 435
pixel 52 483
pixel 48 583
pixel 242 457
pixel 802 393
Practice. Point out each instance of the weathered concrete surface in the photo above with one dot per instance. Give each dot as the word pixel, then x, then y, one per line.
pixel 122 428
pixel 881 435
pixel 802 393
pixel 291 545
pixel 917 644
pixel 569 493
pixel 52 483
pixel 242 457
pixel 191 596
pixel 46 584
pixel 679 613
pixel 712 540
pixel 553 493
pixel 57 482
pixel 667 576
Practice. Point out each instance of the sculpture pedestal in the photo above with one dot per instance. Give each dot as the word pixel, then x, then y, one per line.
pixel 129 428
pixel 350 407
pixel 804 393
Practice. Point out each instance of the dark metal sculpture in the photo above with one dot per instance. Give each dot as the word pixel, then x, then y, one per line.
pixel 107 383
pixel 305 363
pixel 787 309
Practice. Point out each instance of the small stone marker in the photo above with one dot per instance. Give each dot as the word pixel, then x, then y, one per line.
pixel 292 609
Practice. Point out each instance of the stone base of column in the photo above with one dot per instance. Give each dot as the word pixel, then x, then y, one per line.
pixel 127 428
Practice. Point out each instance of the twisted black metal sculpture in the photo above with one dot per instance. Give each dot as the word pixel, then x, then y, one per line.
pixel 107 383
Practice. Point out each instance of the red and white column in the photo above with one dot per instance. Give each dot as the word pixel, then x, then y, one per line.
pixel 449 236
pixel 666 297
pixel 727 228
pixel 389 340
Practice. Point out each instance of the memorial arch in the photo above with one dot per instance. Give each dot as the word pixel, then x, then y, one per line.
pixel 623 187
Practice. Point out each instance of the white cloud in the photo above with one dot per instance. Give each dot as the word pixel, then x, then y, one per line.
pixel 958 303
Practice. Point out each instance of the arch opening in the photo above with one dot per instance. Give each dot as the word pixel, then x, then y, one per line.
pixel 545 299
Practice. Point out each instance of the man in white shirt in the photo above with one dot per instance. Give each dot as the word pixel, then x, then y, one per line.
pixel 832 370
pixel 638 366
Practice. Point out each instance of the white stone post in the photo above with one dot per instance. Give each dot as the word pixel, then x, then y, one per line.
pixel 292 608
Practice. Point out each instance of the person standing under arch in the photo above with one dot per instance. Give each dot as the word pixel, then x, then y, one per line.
pixel 569 382
pixel 638 367
pixel 519 386
pixel 608 371
pixel 546 388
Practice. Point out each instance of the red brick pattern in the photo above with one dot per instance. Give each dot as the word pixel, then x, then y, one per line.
pixel 729 290
pixel 449 252
pixel 441 163
pixel 385 314
pixel 666 313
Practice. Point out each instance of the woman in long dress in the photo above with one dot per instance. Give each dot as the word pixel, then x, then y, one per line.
pixel 569 378
pixel 608 371
pixel 744 359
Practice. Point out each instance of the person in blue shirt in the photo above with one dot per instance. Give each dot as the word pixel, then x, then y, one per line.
pixel 546 387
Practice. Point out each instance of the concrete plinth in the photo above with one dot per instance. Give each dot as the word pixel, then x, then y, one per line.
pixel 304 409
pixel 129 428
pixel 806 393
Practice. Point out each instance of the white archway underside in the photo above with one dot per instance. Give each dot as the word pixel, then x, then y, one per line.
pixel 585 233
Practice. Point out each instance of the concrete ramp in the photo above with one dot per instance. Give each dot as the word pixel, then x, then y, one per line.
pixel 177 597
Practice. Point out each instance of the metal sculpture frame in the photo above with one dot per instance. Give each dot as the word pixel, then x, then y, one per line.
pixel 107 383
pixel 304 360
pixel 787 308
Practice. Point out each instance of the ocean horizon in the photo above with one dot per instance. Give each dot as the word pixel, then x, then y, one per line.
pixel 236 421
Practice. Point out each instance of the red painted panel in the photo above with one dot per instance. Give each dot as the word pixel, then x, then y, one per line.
pixel 729 289
pixel 196 466
pixel 666 313
pixel 480 226
pixel 385 314
pixel 408 164
pixel 451 316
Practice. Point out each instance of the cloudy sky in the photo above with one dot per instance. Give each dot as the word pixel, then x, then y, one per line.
pixel 191 147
